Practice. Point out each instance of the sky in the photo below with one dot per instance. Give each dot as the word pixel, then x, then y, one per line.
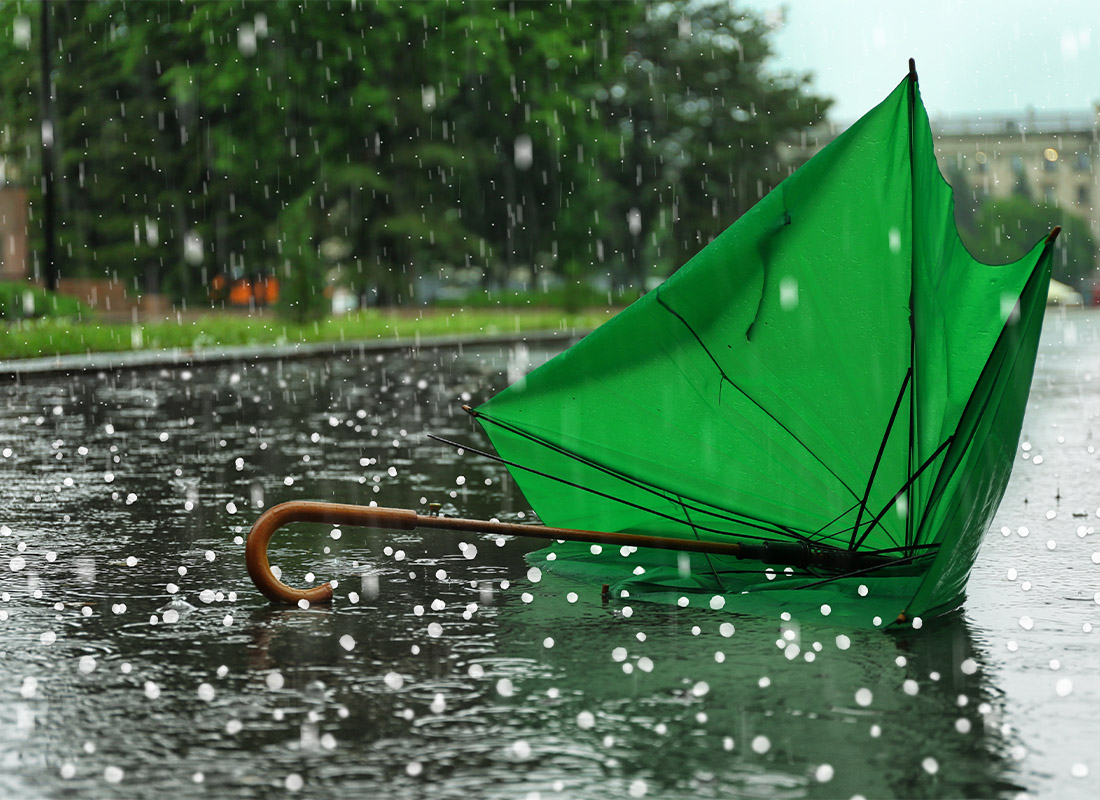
pixel 973 56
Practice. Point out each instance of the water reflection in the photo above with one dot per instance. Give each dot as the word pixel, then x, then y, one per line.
pixel 137 657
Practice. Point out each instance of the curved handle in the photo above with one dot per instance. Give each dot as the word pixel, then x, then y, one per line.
pixel 255 552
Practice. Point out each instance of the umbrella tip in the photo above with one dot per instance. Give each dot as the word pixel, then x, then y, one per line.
pixel 912 69
pixel 469 411
pixel 1054 233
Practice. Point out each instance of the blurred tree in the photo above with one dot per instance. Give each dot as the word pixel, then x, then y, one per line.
pixel 1006 228
pixel 395 142
pixel 700 116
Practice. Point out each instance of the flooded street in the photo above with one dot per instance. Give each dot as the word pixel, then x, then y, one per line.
pixel 136 657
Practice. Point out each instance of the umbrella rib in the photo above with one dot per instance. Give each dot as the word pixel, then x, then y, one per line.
pixel 620 500
pixel 739 517
pixel 878 458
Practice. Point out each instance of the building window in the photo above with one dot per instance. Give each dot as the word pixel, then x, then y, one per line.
pixel 1081 161
pixel 1083 195
pixel 1018 166
pixel 1048 195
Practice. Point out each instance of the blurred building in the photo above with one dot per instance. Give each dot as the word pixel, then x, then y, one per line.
pixel 1051 156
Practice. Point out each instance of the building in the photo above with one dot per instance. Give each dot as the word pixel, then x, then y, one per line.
pixel 1051 156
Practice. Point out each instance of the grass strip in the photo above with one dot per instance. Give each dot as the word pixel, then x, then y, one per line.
pixel 62 336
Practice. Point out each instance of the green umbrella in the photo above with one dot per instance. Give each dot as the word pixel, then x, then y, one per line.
pixel 833 373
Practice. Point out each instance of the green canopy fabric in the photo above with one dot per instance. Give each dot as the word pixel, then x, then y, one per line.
pixel 834 369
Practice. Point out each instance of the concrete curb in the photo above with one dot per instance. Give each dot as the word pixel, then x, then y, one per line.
pixel 21 368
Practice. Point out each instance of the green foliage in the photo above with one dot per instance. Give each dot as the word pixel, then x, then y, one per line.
pixel 1006 228
pixel 390 139
pixel 28 301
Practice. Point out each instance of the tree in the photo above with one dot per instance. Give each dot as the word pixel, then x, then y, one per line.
pixel 700 116
pixel 1006 228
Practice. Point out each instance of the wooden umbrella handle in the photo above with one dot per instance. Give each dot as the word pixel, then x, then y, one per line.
pixel 255 552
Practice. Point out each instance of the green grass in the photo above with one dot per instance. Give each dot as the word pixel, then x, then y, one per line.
pixel 19 300
pixel 49 337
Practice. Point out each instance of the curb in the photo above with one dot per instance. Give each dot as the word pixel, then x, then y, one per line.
pixel 15 370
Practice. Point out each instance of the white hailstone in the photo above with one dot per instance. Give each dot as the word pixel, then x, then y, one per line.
pixel 294 782
pixel 645 664
pixel 210 555
pixel 353 597
pixel 29 687
pixel 17 563
pixel 113 774
pixel 534 574
pixel 274 681
pixel 476 671
pixel 206 596
pixel 969 666
pixel 1026 623
pixel 548 642
pixel 152 691
pixel 527 597
pixel 700 689
pixel 931 766
pixel 586 720
pixel 438 704
pixel 171 615
pixel 1063 687
pixel 717 602
pixel 171 588
pixel 638 788
pixel 231 507
pixel 68 770
pixel 438 605
pixel 962 725
pixel 505 688
pixel 86 665
pixel 413 768
pixel 48 637
pixel 761 744
pixel 347 642
pixel 824 773
pixel 843 642
pixel 910 687
pixel 435 630
pixel 864 697
pixel 826 610
pixel 303 604
pixel 206 692
pixel 393 680
pixel 521 749
pixel 227 620
pixel 1079 770
pixel 764 682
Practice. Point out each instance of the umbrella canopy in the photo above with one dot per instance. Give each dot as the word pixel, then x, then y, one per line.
pixel 835 370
